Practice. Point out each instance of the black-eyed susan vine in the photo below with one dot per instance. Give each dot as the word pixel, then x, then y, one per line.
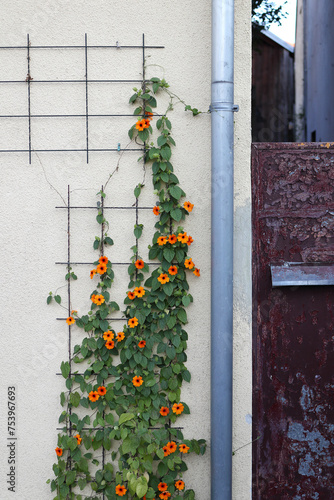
pixel 128 398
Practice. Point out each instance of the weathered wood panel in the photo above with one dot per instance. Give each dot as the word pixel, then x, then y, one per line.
pixel 293 332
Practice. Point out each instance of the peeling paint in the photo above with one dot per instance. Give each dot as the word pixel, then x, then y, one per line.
pixel 293 409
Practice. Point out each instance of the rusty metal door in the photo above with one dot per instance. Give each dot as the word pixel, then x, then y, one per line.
pixel 293 318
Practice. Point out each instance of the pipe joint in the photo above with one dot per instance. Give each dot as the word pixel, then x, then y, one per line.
pixel 223 106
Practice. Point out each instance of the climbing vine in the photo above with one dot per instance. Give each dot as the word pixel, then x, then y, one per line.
pixel 127 397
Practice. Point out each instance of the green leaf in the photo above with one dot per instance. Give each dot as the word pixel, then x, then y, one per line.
pixel 99 218
pixel 171 321
pixel 169 254
pixel 104 325
pixel 176 192
pixel 57 299
pixel 186 300
pixel 75 399
pixel 144 135
pixel 74 419
pixel 168 289
pixel 176 214
pixel 160 454
pixel 62 399
pixel 125 417
pixel 186 375
pixel 96 244
pixel 162 140
pixel 166 152
pixel 162 467
pixel 141 487
pixel 130 444
pixel 70 477
pixel 152 102
pixel 189 495
pixel 69 383
pixel 182 315
pixel 133 98
pixel 65 369
pixel 179 253
pixel 138 231
pixel 97 366
pixel 82 483
pixel 137 190
pixel 131 131
pixel 108 241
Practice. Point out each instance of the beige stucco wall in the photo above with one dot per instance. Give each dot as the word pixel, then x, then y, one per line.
pixel 34 232
pixel 242 378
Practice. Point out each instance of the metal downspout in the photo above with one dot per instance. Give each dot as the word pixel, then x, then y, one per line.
pixel 222 247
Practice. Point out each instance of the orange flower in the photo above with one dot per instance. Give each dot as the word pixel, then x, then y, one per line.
pixel 164 495
pixel 140 125
pixel 110 344
pixel 137 381
pixel 139 264
pixel 179 485
pixel 142 344
pixel 131 295
pixel 162 240
pixel 78 438
pixel 139 291
pixel 172 239
pixel 163 278
pixel 109 335
pixel 93 396
pixel 147 122
pixel 183 237
pixel 101 268
pixel 92 273
pixel 156 210
pixel 162 486
pixel 183 448
pixel 164 411
pixel 190 241
pixel 188 263
pixel 70 321
pixel 178 408
pixel 196 271
pixel 103 260
pixel 73 311
pixel 172 270
pixel 59 451
pixel 98 300
pixel 120 490
pixel 166 451
pixel 101 390
pixel 93 298
pixel 171 446
pixel 120 336
pixel 133 322
pixel 188 206
pixel 149 115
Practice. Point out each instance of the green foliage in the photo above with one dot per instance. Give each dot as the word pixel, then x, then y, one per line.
pixel 128 392
pixel 265 13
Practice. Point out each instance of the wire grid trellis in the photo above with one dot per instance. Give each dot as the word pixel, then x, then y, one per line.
pixel 69 265
pixel 29 81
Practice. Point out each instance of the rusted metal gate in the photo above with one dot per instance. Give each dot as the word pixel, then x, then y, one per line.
pixel 293 318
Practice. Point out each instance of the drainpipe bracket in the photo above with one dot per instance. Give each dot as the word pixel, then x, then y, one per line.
pixel 224 107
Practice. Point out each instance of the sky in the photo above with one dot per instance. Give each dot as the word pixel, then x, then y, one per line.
pixel 288 28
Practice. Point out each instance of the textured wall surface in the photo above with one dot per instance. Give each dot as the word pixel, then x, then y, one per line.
pixel 242 387
pixel 34 232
